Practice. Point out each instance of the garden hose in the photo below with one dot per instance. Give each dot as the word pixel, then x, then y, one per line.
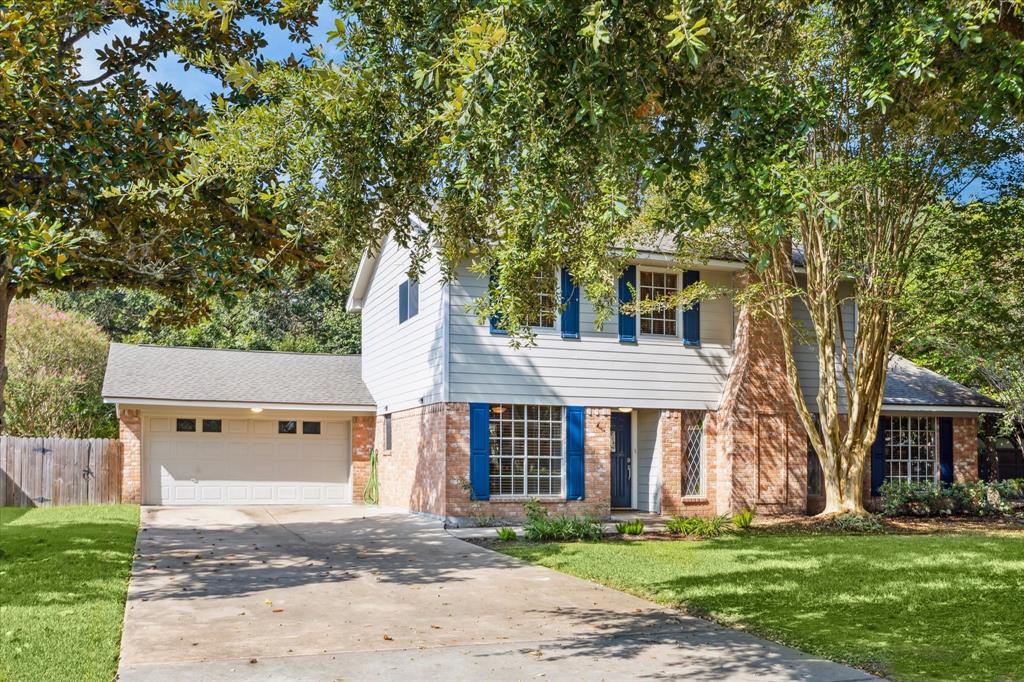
pixel 371 492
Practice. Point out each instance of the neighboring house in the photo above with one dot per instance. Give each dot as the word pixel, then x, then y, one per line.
pixel 674 412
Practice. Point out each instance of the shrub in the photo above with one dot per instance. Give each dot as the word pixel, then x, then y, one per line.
pixel 854 523
pixel 698 526
pixel 56 362
pixel 507 535
pixel 634 527
pixel 744 519
pixel 543 527
pixel 978 498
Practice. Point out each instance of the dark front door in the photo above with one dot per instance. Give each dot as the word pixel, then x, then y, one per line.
pixel 622 445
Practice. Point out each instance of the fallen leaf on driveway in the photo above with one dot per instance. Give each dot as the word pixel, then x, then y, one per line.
pixel 387 637
pixel 277 610
pixel 268 602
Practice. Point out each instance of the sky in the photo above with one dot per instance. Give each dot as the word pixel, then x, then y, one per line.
pixel 192 83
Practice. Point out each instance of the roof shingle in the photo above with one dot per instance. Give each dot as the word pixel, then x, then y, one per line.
pixel 218 375
pixel 908 384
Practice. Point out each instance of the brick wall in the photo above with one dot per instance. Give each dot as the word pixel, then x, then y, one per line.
pixel 130 433
pixel 596 463
pixel 760 446
pixel 411 474
pixel 672 435
pixel 362 443
pixel 965 449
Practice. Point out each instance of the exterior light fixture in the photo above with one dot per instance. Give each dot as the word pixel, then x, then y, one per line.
pixel 625 409
pixel 257 410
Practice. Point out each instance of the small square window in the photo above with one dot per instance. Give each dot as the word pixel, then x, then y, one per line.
pixel 186 425
pixel 211 426
pixel 287 427
pixel 311 428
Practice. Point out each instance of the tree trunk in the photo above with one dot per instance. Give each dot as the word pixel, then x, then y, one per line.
pixel 6 296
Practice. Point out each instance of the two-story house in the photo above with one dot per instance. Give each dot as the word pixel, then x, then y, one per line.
pixel 673 411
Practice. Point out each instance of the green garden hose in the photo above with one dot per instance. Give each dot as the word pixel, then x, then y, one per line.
pixel 371 492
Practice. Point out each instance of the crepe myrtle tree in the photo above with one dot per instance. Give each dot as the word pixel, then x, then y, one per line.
pixel 69 140
pixel 531 135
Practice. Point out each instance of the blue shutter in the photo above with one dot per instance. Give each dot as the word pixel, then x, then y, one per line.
pixel 480 450
pixel 403 301
pixel 691 316
pixel 574 433
pixel 627 323
pixel 571 307
pixel 414 297
pixel 946 449
pixel 495 319
pixel 878 456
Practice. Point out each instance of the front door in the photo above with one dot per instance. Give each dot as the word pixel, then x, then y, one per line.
pixel 622 463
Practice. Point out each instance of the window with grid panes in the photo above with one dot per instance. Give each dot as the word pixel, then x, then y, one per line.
pixel 526 450
pixel 656 286
pixel 911 448
pixel 546 306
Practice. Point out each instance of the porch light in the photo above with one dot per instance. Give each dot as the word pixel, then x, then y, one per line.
pixel 256 410
pixel 498 409
pixel 625 409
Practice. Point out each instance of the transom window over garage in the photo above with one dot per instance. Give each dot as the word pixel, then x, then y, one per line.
pixel 911 449
pixel 526 450
pixel 655 286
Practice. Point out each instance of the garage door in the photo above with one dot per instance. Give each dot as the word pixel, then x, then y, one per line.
pixel 211 460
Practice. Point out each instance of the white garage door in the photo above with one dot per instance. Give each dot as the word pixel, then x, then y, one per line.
pixel 212 460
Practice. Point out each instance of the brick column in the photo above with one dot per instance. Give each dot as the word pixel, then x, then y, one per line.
pixel 965 449
pixel 362 444
pixel 670 438
pixel 130 433
pixel 597 461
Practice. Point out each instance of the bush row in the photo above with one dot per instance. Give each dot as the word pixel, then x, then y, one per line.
pixel 979 498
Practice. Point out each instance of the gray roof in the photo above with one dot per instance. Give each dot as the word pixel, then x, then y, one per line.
pixel 665 242
pixel 913 385
pixel 216 375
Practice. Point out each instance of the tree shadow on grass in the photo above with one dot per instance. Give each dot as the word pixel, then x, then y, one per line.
pixel 926 607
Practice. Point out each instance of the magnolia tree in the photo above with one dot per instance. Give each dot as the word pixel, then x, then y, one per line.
pixel 70 141
pixel 533 135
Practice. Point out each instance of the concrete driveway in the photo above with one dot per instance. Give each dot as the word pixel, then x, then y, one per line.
pixel 350 593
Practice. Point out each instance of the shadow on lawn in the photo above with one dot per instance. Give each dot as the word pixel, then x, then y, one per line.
pixel 868 600
pixel 62 563
pixel 229 561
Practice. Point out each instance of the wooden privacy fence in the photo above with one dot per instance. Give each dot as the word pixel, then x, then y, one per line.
pixel 37 472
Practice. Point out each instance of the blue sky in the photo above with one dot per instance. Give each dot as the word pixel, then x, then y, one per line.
pixel 195 84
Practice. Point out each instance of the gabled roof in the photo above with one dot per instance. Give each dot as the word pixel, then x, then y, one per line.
pixel 174 374
pixel 910 385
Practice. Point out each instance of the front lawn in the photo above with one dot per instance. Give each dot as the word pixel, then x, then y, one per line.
pixel 912 607
pixel 63 579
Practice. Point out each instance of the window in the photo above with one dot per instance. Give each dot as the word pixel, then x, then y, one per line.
pixel 656 286
pixel 546 306
pixel 387 432
pixel 211 426
pixel 408 299
pixel 311 428
pixel 186 425
pixel 526 450
pixel 286 427
pixel 911 449
pixel 693 474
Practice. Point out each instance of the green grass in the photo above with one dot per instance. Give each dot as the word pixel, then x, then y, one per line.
pixel 63 579
pixel 912 607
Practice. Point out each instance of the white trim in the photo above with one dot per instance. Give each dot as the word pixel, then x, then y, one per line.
pixel 677 309
pixel 126 401
pixel 910 410
pixel 634 464
pixel 364 273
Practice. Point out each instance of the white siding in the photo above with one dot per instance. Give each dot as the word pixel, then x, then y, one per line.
pixel 596 370
pixel 806 355
pixel 403 364
pixel 648 465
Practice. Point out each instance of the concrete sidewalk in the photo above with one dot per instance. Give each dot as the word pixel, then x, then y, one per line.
pixel 331 593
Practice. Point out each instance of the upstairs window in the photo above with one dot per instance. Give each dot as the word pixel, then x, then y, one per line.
pixel 408 299
pixel 546 305
pixel 655 286
pixel 911 450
